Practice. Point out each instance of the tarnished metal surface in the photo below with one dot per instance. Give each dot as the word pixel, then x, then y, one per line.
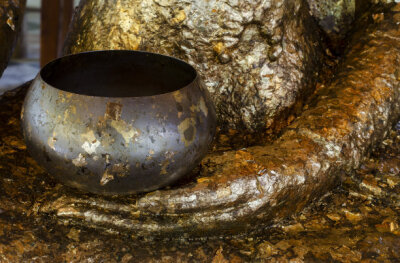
pixel 258 58
pixel 243 189
pixel 118 122
pixel 11 14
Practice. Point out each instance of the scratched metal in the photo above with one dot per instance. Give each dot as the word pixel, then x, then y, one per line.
pixel 11 14
pixel 118 122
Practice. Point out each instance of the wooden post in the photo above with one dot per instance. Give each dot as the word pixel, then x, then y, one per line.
pixel 55 18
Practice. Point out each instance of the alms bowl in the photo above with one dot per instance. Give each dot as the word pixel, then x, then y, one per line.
pixel 118 122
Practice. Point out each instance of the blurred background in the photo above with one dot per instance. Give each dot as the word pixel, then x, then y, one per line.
pixel 43 31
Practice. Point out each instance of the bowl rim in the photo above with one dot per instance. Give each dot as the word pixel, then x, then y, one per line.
pixel 195 79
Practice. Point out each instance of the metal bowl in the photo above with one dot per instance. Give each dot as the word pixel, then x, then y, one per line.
pixel 118 122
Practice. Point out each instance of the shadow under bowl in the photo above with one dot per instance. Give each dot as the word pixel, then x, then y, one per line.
pixel 118 122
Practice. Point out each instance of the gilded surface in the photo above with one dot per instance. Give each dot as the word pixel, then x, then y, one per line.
pixel 256 57
pixel 117 145
pixel 333 134
pixel 358 221
pixel 336 17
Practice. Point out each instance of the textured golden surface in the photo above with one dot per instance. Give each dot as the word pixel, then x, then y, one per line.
pixel 357 221
pixel 237 190
pixel 258 58
pixel 11 14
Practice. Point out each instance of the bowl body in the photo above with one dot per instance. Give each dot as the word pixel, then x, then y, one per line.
pixel 118 122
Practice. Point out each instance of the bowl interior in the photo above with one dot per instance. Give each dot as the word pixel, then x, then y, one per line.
pixel 116 73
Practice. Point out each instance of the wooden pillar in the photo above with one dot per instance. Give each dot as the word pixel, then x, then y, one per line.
pixel 55 18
